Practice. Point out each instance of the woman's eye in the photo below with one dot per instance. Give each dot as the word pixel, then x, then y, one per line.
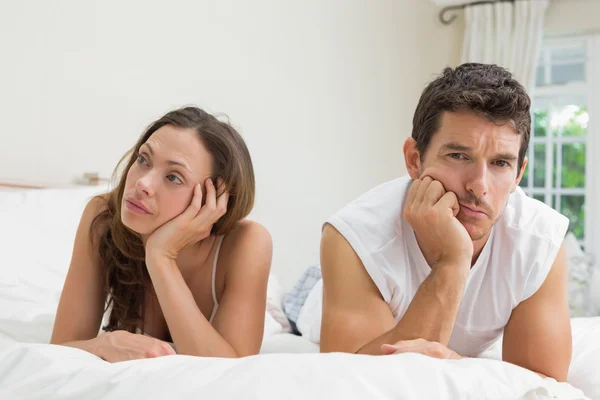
pixel 141 160
pixel 174 179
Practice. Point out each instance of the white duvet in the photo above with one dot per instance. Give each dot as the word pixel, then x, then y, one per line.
pixel 36 235
pixel 38 371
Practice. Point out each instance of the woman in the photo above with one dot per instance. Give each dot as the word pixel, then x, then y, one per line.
pixel 168 250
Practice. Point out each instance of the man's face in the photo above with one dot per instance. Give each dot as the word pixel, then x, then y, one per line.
pixel 477 160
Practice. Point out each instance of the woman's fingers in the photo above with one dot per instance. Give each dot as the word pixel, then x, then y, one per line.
pixel 196 203
pixel 211 196
pixel 222 200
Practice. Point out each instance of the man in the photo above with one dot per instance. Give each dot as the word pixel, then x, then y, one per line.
pixel 442 262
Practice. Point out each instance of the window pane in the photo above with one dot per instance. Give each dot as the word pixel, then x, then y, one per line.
pixel 565 73
pixel 573 165
pixel 573 207
pixel 539 165
pixel 540 76
pixel 540 197
pixel 540 122
pixel 578 123
pixel 572 54
pixel 569 120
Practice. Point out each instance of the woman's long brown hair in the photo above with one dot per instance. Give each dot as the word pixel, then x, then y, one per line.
pixel 121 250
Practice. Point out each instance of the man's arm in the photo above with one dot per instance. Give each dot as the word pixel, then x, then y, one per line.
pixel 356 319
pixel 538 334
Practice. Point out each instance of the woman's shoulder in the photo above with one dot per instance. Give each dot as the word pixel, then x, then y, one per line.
pixel 248 240
pixel 95 208
pixel 248 230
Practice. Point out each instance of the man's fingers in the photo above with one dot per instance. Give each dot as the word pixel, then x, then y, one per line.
pixel 449 201
pixel 388 349
pixel 425 182
pixel 434 193
pixel 403 345
pixel 412 192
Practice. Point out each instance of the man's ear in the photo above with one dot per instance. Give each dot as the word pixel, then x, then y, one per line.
pixel 412 158
pixel 520 175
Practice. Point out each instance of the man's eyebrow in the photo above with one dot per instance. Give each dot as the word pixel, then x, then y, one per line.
pixel 506 156
pixel 455 146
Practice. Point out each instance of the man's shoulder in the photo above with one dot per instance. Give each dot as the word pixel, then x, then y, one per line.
pixel 528 217
pixel 374 215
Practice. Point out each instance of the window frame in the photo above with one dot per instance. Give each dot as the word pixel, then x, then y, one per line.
pixel 590 91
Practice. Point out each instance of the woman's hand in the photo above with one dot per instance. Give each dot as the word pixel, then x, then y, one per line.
pixel 191 226
pixel 123 346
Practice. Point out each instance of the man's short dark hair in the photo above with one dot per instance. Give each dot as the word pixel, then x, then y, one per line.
pixel 487 90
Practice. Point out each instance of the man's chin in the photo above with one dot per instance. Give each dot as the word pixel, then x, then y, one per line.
pixel 475 231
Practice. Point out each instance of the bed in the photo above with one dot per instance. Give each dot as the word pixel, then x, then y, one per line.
pixel 37 227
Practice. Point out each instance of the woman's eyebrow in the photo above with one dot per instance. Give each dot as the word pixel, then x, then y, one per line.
pixel 169 162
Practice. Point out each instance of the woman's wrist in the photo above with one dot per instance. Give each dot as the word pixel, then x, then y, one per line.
pixel 159 259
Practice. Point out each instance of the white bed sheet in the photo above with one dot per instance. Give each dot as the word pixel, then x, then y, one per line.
pixel 40 371
pixel 36 235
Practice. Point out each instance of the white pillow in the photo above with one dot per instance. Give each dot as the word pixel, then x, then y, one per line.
pixel 584 372
pixel 37 232
pixel 580 276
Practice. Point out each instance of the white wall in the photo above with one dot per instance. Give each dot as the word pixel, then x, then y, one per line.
pixel 572 17
pixel 323 92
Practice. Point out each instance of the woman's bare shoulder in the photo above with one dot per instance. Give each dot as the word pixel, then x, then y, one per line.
pixel 248 232
pixel 248 243
pixel 96 206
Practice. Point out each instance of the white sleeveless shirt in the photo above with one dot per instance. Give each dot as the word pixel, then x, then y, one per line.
pixel 511 267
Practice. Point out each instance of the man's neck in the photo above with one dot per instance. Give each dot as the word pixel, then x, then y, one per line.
pixel 478 246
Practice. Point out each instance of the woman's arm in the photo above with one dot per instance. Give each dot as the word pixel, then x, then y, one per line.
pixel 239 322
pixel 82 299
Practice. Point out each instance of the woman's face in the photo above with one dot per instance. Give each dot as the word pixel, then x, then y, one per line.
pixel 160 184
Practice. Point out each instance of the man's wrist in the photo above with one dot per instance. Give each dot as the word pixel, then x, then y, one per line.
pixel 458 266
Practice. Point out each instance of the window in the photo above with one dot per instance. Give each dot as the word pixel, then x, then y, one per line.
pixel 564 151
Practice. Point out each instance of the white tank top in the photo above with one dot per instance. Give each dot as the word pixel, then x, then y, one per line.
pixel 511 267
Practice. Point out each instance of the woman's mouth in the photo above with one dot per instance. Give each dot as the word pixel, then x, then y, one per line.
pixel 136 207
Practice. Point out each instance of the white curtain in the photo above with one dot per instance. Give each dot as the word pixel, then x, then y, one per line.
pixel 508 34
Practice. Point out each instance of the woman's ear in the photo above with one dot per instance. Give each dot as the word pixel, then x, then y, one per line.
pixel 412 158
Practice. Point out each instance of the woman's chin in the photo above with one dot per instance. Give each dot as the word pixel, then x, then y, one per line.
pixel 135 226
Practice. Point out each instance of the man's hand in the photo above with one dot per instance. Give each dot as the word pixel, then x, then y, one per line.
pixel 422 346
pixel 431 211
